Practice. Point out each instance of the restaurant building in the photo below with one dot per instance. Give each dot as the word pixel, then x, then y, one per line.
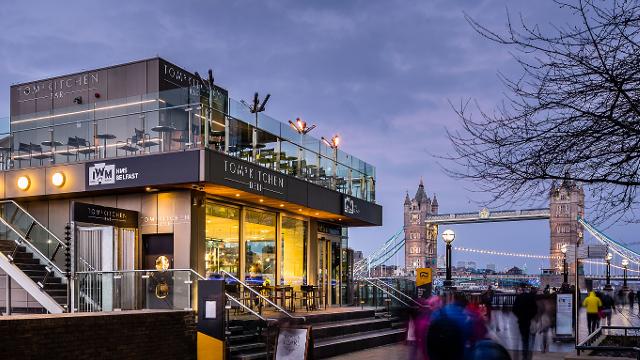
pixel 147 166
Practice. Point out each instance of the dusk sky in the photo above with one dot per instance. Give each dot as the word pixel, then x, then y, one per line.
pixel 379 73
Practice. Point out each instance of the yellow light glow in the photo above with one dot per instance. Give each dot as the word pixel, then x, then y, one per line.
pixel 23 182
pixel 57 179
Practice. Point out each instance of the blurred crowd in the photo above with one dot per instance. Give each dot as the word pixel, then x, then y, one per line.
pixel 460 326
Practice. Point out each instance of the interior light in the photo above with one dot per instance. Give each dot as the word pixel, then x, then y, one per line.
pixel 261 200
pixel 23 182
pixel 299 209
pixel 281 205
pixel 237 195
pixel 57 179
pixel 317 213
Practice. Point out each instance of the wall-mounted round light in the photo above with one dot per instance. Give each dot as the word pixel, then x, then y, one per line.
pixel 57 179
pixel 23 182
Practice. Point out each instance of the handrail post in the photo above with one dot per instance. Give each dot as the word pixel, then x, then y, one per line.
pixel 8 295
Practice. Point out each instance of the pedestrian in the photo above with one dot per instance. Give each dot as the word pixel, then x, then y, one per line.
pixel 487 301
pixel 593 304
pixel 632 299
pixel 638 298
pixel 608 306
pixel 525 308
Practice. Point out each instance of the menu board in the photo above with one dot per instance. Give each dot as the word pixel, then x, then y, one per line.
pixel 564 314
pixel 293 343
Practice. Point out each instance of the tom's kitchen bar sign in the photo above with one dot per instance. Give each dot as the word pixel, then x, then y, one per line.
pixel 242 175
pixel 149 170
pixel 104 215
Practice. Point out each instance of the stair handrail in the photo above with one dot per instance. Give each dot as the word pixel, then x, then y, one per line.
pixel 49 263
pixel 36 221
pixel 385 291
pixel 399 292
pixel 230 297
pixel 263 297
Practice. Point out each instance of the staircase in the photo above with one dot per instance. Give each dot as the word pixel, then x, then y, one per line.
pixel 35 270
pixel 333 333
pixel 23 245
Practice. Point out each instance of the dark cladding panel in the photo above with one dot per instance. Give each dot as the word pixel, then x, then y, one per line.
pixel 117 82
pixel 104 215
pixel 298 191
pixel 42 105
pixel 245 176
pixel 324 199
pixel 136 81
pixel 149 170
pixel 361 210
pixel 100 87
pixel 152 75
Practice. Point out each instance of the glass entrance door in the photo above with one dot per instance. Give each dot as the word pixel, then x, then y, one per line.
pixel 323 270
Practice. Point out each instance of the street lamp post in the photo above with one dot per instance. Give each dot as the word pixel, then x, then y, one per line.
pixel 301 128
pixel 625 265
pixel 608 286
pixel 333 144
pixel 565 270
pixel 448 236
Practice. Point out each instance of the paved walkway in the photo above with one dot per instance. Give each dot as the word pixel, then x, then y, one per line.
pixel 505 331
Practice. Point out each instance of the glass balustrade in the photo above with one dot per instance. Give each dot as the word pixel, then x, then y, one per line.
pixel 134 290
pixel 173 120
pixel 17 224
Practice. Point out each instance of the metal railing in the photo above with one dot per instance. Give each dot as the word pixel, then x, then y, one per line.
pixel 397 291
pixel 262 297
pixel 389 295
pixel 134 290
pixel 592 342
pixel 37 238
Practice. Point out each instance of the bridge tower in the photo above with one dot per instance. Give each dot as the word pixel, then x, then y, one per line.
pixel 566 203
pixel 420 241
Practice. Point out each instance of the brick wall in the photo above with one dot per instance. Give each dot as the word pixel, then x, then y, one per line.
pixel 115 335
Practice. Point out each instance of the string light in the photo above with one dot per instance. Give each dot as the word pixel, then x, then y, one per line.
pixel 604 263
pixel 502 253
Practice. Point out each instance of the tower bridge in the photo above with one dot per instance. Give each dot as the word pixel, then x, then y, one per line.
pixel 421 221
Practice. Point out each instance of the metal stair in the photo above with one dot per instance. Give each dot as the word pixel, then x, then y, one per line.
pixel 28 255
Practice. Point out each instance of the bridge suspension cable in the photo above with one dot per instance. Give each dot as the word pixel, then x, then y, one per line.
pixel 501 253
pixel 614 246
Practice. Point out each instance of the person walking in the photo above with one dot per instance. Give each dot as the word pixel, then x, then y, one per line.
pixel 608 306
pixel 638 299
pixel 632 299
pixel 593 304
pixel 525 308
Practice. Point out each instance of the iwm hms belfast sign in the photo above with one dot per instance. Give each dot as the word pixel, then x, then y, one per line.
pixel 140 171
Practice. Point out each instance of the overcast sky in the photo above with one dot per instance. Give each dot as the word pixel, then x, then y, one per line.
pixel 379 73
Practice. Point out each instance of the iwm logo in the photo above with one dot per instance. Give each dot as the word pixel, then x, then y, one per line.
pixel 350 207
pixel 102 174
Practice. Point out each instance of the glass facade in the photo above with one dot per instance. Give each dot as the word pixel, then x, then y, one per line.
pixel 222 239
pixel 293 262
pixel 176 120
pixel 260 246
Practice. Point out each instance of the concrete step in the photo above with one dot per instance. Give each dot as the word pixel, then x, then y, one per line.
pixel 333 329
pixel 323 317
pixel 234 349
pixel 261 355
pixel 345 344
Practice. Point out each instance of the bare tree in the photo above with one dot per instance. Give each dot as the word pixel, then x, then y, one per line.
pixel 572 114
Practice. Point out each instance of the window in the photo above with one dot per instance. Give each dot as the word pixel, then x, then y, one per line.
pixel 293 263
pixel 222 238
pixel 260 245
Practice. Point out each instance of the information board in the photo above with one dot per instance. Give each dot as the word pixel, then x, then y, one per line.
pixel 564 314
pixel 293 343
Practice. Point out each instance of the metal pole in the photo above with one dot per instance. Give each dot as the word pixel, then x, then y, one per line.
pixel 8 295
pixel 565 271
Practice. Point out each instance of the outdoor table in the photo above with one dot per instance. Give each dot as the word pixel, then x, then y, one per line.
pixel 281 291
pixel 163 129
pixel 104 138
